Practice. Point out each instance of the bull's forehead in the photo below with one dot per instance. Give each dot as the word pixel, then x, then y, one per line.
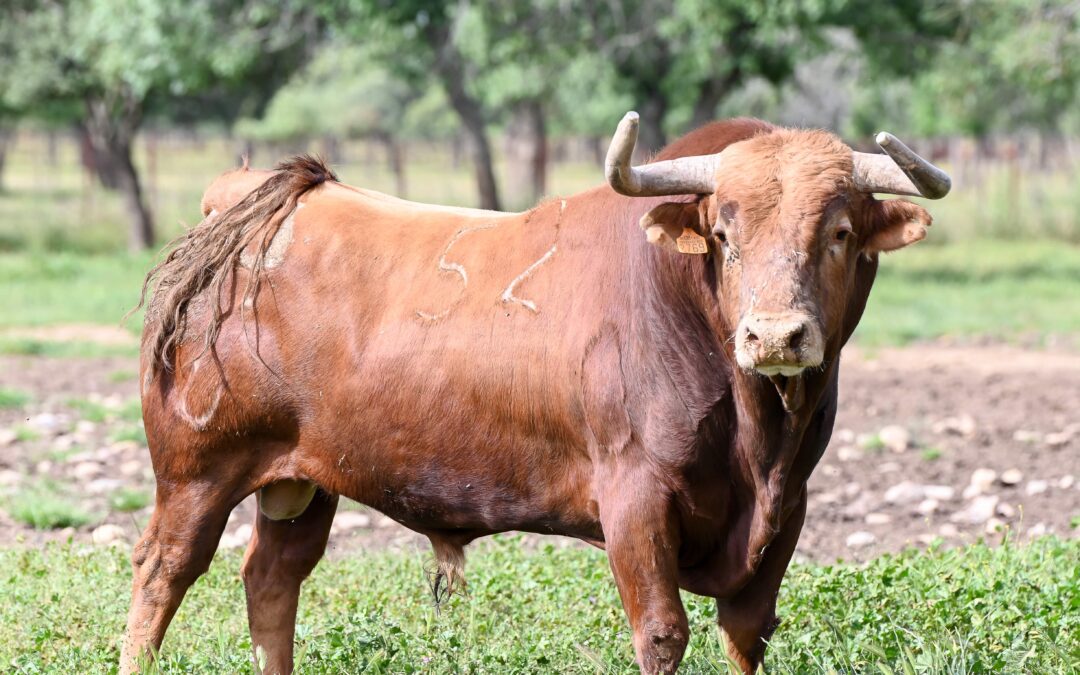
pixel 786 178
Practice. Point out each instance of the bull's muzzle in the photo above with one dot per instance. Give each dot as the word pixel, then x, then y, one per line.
pixel 778 343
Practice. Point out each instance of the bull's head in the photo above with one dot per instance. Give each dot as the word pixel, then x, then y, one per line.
pixel 787 213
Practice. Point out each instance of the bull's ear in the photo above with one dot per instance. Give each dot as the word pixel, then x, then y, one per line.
pixel 675 226
pixel 894 224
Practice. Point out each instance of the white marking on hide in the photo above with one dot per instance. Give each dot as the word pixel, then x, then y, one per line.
pixel 197 422
pixel 458 268
pixel 508 294
pixel 275 252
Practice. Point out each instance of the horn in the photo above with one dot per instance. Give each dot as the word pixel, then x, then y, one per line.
pixel 899 172
pixel 685 175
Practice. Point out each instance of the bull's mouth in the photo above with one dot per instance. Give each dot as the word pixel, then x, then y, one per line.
pixel 783 370
pixel 791 390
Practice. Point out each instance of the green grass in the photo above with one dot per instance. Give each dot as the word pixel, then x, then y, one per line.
pixel 68 288
pixel 126 500
pixel 13 398
pixel 973 610
pixel 1008 290
pixel 43 508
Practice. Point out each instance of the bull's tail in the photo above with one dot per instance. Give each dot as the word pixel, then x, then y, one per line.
pixel 201 259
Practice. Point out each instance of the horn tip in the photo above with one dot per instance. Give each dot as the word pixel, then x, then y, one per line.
pixel 884 138
pixel 631 117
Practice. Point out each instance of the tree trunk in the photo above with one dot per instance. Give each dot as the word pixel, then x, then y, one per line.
pixel 7 138
pixel 396 163
pixel 450 67
pixel 710 95
pixel 527 153
pixel 651 130
pixel 111 127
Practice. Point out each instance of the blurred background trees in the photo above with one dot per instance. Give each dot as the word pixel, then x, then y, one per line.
pixel 517 86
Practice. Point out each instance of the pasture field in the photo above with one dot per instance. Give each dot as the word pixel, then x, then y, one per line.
pixel 551 609
pixel 969 344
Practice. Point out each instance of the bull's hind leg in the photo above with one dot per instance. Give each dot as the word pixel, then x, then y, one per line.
pixel 284 548
pixel 175 549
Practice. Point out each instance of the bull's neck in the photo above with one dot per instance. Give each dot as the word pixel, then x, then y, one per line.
pixel 768 446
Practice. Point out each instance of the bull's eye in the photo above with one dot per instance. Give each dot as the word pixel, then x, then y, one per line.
pixel 722 236
pixel 841 235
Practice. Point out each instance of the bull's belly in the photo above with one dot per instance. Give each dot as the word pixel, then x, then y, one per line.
pixel 476 492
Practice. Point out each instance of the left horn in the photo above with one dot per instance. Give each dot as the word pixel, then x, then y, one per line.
pixel 899 172
pixel 686 175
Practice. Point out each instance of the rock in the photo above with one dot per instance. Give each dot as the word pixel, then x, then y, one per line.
pixel 122 447
pixel 827 497
pixel 848 453
pixel 1011 477
pixel 80 457
pixel 386 521
pixel 7 437
pixel 346 521
pixel 982 479
pixel 43 467
pixel 926 539
pixel 948 530
pixel 994 525
pixel 851 489
pixel 828 470
pixel 878 519
pixel 846 436
pixel 928 506
pixel 9 477
pixel 84 428
pixel 962 425
pixel 895 437
pixel 888 467
pixel 132 467
pixel 1006 510
pixel 1059 439
pixel 860 539
pixel 942 493
pixel 904 492
pixel 64 442
pixel 107 534
pixel 103 485
pixel 1037 487
pixel 86 470
pixel 1037 530
pixel 237 538
pixel 1026 436
pixel 978 511
pixel 1066 482
pixel 47 423
pixel 857 509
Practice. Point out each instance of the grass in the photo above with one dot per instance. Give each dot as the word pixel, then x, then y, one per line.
pixel 43 508
pixel 13 398
pixel 971 610
pixel 126 500
pixel 1009 290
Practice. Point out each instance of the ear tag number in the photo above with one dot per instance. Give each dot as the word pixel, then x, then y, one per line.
pixel 691 242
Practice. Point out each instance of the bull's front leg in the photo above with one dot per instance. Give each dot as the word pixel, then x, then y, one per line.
pixel 748 619
pixel 642 544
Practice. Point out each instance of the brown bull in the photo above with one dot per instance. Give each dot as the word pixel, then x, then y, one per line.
pixel 468 372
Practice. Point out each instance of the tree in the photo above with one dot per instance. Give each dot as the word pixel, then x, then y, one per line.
pixel 122 59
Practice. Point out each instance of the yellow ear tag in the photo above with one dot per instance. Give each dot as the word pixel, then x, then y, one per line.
pixel 691 242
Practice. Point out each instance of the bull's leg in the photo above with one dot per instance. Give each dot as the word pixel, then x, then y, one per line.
pixel 175 549
pixel 281 555
pixel 749 618
pixel 643 548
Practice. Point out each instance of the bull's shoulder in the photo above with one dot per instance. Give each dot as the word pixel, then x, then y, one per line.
pixel 229 188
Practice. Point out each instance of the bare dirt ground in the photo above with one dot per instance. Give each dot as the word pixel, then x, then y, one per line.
pixel 932 442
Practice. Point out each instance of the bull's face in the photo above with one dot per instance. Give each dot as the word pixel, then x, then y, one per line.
pixel 789 215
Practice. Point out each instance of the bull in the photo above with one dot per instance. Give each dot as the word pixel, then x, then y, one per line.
pixel 664 397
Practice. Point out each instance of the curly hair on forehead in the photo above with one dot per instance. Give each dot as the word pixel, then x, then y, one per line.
pixel 204 257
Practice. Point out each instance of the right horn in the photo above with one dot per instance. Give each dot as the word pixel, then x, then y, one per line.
pixel 899 172
pixel 682 176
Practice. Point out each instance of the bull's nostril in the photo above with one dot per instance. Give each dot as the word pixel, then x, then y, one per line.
pixel 751 338
pixel 796 338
